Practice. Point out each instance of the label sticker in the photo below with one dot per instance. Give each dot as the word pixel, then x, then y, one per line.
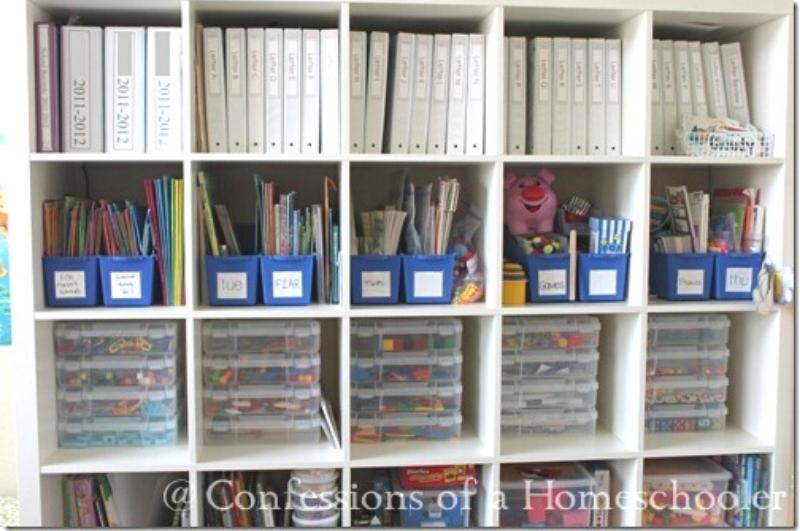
pixel 287 284
pixel 690 282
pixel 552 282
pixel 375 284
pixel 126 285
pixel 602 282
pixel 739 280
pixel 428 284
pixel 70 284
pixel 231 285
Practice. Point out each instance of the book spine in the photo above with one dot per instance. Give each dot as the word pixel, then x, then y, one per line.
pixel 125 90
pixel 48 137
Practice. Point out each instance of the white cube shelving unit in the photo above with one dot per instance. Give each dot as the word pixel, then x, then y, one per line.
pixel 761 388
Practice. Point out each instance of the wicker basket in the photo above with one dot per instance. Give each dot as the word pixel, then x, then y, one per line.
pixel 745 144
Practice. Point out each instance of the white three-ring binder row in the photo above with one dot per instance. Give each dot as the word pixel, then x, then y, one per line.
pixel 563 96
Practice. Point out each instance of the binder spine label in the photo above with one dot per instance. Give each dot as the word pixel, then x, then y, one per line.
pixel 697 75
pixel 668 79
pixel 421 74
pixel 517 66
pixel 543 67
pixel 255 67
pixel 612 71
pixel 166 93
pixel 291 80
pixel 404 70
pixel 213 66
pixel 440 72
pixel 736 81
pixel 562 74
pixel 45 90
pixel 459 53
pixel 310 67
pixel 476 72
pixel 597 75
pixel 273 68
pixel 356 67
pixel 235 66
pixel 376 69
pixel 123 91
pixel 579 74
pixel 79 92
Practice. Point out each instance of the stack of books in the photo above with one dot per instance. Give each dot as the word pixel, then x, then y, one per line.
pixel 114 89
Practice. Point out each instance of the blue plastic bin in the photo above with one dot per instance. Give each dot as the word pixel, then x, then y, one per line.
pixel 428 279
pixel 71 281
pixel 287 280
pixel 375 279
pixel 736 275
pixel 232 280
pixel 548 277
pixel 682 276
pixel 603 277
pixel 127 280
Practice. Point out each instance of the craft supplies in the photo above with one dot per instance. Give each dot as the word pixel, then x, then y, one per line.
pixel 378 427
pixel 550 332
pixel 260 399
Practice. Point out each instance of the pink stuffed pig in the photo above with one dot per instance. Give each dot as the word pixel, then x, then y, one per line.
pixel 530 203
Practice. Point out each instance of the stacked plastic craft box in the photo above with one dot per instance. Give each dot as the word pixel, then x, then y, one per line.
pixel 261 381
pixel 687 363
pixel 118 383
pixel 314 494
pixel 549 375
pixel 406 379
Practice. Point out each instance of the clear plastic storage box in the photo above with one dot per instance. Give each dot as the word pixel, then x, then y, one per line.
pixel 680 418
pixel 405 335
pixel 295 336
pixel 699 360
pixel 125 370
pixel 540 495
pixel 409 397
pixel 550 363
pixel 368 367
pixel 117 431
pixel 118 402
pixel 260 400
pixel 251 369
pixel 117 338
pixel 686 390
pixel 535 333
pixel 685 492
pixel 379 427
pixel 687 330
pixel 549 421
pixel 548 393
pixel 263 429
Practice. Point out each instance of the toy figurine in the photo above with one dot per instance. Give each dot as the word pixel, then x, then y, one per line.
pixel 530 203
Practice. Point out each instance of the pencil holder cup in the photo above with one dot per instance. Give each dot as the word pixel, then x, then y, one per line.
pixel 232 280
pixel 682 276
pixel 375 279
pixel 287 280
pixel 548 277
pixel 127 280
pixel 428 279
pixel 71 281
pixel 736 275
pixel 603 277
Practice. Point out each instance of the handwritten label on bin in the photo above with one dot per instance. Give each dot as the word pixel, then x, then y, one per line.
pixel 287 284
pixel 602 282
pixel 375 284
pixel 552 282
pixel 689 282
pixel 231 286
pixel 428 284
pixel 126 285
pixel 70 284
pixel 738 280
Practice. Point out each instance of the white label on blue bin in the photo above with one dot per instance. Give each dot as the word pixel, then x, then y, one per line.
pixel 738 280
pixel 70 284
pixel 428 284
pixel 690 282
pixel 602 282
pixel 126 285
pixel 231 286
pixel 287 284
pixel 552 282
pixel 376 284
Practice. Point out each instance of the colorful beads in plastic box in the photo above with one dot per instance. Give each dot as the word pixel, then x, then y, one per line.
pixel 371 434
pixel 669 425
pixel 230 375
pixel 257 406
pixel 695 395
pixel 403 373
pixel 548 340
pixel 115 346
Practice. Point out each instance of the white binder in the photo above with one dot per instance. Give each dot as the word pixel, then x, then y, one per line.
pixel 657 108
pixel 735 86
pixel 399 93
pixel 311 90
pixel 516 95
pixel 377 70
pixel 292 86
pixel 236 85
pixel 540 57
pixel 358 89
pixel 561 140
pixel 214 68
pixel 440 79
pixel 421 93
pixel 273 79
pixel 457 105
pixel 329 91
pixel 476 68
pixel 164 93
pixel 715 84
pixel 683 73
pixel 255 90
pixel 125 93
pixel 597 97
pixel 613 72
pixel 579 93
pixel 669 96
pixel 82 89
pixel 699 102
